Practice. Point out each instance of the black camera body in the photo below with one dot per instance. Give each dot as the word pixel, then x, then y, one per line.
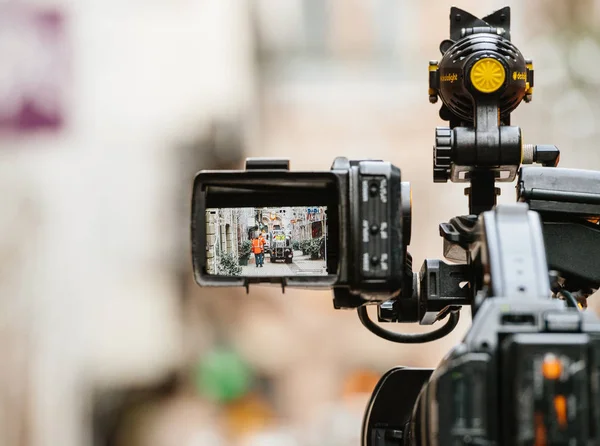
pixel 378 216
pixel 368 214
pixel 528 370
pixel 525 371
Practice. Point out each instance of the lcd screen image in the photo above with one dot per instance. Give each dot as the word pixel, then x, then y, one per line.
pixel 266 242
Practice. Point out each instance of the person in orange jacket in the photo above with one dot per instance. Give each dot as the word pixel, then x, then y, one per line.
pixel 258 248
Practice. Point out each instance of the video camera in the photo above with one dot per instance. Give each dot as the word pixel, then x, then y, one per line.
pixel 528 370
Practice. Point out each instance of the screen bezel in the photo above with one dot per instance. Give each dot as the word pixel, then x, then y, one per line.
pixel 232 189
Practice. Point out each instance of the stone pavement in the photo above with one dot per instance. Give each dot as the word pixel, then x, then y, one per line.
pixel 301 265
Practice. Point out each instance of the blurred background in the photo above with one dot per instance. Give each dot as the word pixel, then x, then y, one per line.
pixel 108 109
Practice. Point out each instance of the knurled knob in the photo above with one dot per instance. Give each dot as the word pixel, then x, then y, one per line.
pixel 442 154
pixel 440 175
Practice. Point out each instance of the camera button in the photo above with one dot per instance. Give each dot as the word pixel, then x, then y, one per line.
pixel 373 190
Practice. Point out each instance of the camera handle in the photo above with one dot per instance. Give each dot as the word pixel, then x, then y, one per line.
pixel 403 338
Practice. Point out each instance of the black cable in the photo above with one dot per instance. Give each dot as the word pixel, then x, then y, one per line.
pixel 570 299
pixel 408 338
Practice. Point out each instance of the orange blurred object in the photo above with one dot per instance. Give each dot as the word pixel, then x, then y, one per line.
pixel 552 367
pixel 541 437
pixel 360 382
pixel 248 415
pixel 560 405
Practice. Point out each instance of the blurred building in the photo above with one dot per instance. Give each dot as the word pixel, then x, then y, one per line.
pixel 92 211
pixel 225 230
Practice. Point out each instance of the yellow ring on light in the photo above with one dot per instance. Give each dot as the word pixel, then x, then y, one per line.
pixel 487 75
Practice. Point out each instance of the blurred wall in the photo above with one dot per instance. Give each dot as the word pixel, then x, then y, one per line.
pixel 88 294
